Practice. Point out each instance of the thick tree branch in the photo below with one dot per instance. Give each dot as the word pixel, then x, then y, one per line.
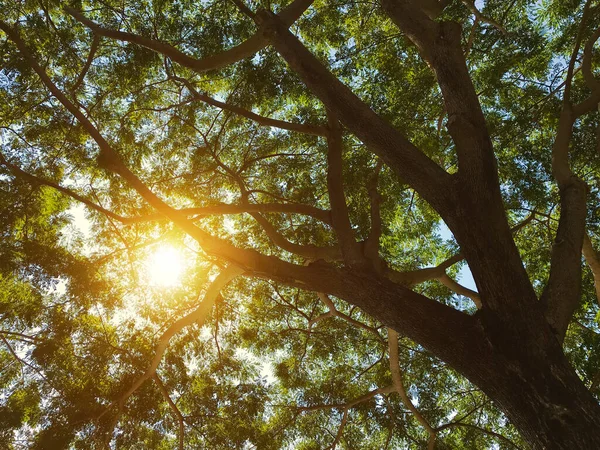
pixel 477 218
pixel 563 291
pixel 440 45
pixel 406 160
pixel 244 50
pixel 335 187
pixel 397 307
pixel 414 277
pixel 461 290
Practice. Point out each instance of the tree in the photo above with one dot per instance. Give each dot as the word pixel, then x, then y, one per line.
pixel 306 157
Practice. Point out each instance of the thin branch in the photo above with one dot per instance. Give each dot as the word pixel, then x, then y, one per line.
pixel 363 398
pixel 592 258
pixel 88 63
pixel 174 408
pixel 199 315
pixel 334 312
pixel 482 430
pixel 262 120
pixel 372 243
pixel 479 17
pixel 309 251
pixel 290 208
pixel 35 180
pixel 399 387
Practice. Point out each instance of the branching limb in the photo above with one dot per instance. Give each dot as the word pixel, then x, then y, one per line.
pixel 199 315
pixel 246 49
pixel 440 45
pixel 406 160
pixel 334 312
pixel 399 387
pixel 479 17
pixel 289 208
pixel 363 398
pixel 414 277
pixel 37 181
pixel 88 63
pixel 591 103
pixel 563 291
pixel 309 251
pixel 481 430
pixel 394 305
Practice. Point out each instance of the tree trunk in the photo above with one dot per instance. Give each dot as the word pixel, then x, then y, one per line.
pixel 539 392
pixel 518 363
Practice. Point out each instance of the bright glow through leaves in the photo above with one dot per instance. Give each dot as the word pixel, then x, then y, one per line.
pixel 164 267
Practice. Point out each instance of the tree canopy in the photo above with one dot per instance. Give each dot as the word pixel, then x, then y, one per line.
pixel 316 176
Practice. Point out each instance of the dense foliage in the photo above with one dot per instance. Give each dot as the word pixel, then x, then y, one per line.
pixel 265 363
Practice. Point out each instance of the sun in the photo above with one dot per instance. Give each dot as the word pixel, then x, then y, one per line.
pixel 164 267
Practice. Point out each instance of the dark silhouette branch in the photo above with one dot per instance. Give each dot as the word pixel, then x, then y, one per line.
pixel 266 121
pixel 244 50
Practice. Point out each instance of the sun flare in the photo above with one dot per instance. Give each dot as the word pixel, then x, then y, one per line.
pixel 164 267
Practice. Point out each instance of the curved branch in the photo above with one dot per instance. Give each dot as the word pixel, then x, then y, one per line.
pixel 372 243
pixel 35 180
pixel 334 312
pixel 262 120
pixel 482 430
pixel 404 158
pixel 199 315
pixel 88 63
pixel 309 251
pixel 461 290
pixel 592 82
pixel 563 290
pixel 290 208
pixel 399 387
pixel 244 50
pixel 413 314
